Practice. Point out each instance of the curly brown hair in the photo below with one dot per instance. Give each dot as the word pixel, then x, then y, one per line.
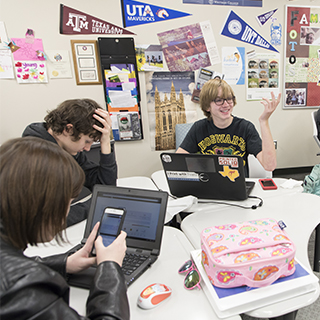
pixel 79 113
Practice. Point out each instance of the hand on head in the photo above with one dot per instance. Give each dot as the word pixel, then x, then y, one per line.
pixel 104 118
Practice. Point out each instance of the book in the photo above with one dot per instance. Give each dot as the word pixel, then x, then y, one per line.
pixel 228 302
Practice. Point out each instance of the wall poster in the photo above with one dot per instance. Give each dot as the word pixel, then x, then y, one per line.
pixel 262 75
pixel 169 103
pixel 29 61
pixel 302 57
pixel 190 47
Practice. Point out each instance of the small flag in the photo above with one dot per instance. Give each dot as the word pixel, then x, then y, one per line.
pixel 136 13
pixel 263 18
pixel 238 29
pixel 76 22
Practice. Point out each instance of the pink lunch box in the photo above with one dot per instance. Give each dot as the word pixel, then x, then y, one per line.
pixel 253 253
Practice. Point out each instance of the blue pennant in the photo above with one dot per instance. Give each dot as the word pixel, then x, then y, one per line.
pixel 136 13
pixel 238 29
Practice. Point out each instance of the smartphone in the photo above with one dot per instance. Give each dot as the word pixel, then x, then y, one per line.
pixel 267 184
pixel 110 225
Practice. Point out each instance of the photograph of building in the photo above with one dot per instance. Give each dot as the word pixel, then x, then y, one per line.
pixel 168 112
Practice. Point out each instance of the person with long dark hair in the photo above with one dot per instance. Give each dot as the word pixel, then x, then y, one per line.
pixel 38 181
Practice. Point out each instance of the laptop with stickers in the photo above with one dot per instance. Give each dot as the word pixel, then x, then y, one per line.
pixel 143 223
pixel 216 177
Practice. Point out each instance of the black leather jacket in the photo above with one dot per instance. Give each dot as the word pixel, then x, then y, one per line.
pixel 36 288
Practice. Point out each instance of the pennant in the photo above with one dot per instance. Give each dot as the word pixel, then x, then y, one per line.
pixel 238 29
pixel 136 13
pixel 263 18
pixel 76 22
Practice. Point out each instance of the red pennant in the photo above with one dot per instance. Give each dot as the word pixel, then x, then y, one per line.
pixel 76 22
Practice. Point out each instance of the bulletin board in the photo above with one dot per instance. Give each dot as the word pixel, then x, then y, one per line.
pixel 121 87
pixel 302 57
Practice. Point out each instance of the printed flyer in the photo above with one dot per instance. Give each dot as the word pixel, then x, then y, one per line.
pixel 262 75
pixel 190 47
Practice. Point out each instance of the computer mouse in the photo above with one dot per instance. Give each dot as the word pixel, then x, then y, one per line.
pixel 153 295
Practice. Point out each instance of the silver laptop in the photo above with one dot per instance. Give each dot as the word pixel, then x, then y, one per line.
pixel 143 223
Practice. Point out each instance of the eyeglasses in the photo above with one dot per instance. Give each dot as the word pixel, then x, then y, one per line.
pixel 192 279
pixel 220 101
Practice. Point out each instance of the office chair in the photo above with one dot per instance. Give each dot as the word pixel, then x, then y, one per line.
pixel 316 262
pixel 315 129
pixel 181 131
pixel 256 170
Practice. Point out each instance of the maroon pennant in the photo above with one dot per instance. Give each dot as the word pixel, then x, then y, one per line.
pixel 76 22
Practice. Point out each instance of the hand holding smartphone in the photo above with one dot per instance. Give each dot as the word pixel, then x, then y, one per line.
pixel 268 184
pixel 110 225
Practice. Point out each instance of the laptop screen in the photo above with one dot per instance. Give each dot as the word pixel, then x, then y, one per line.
pixel 145 212
pixel 142 214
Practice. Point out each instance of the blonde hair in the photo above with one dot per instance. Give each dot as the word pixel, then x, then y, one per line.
pixel 210 91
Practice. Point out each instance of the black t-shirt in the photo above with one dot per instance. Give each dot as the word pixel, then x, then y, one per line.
pixel 240 138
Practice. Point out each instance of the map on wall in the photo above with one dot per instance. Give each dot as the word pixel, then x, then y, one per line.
pixel 302 57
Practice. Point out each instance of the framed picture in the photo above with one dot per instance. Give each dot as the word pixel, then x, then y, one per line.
pixel 86 62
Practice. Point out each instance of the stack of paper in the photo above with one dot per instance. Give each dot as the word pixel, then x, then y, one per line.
pixel 121 91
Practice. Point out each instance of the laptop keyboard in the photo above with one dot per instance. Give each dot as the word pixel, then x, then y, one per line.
pixel 132 261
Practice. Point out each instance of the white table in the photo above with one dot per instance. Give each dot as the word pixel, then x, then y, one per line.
pixel 173 206
pixel 299 211
pixel 281 204
pixel 160 181
pixel 175 250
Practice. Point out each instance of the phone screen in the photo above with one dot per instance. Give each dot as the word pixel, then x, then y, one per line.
pixel 110 225
pixel 267 183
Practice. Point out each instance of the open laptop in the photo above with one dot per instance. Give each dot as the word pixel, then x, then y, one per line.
pixel 215 177
pixel 143 223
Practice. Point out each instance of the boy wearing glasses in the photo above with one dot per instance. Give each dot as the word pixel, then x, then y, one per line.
pixel 223 133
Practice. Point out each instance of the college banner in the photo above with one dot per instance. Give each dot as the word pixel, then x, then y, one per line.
pixel 263 18
pixel 76 22
pixel 238 29
pixel 136 13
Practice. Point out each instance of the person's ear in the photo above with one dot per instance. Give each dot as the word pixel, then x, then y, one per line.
pixel 68 130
